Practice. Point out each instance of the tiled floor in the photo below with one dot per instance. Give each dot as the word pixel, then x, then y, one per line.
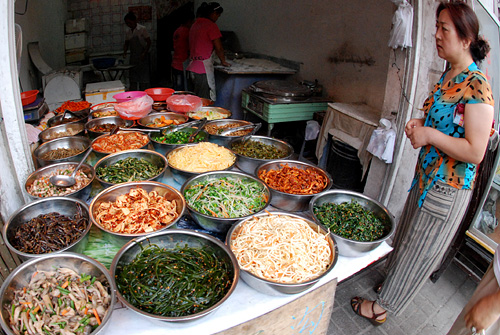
pixel 432 312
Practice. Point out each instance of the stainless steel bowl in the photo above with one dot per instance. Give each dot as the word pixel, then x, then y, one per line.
pixel 69 117
pixel 249 164
pixel 62 205
pixel 178 118
pixel 170 239
pixel 76 129
pixel 115 120
pixel 103 110
pixel 73 142
pixel 274 288
pixel 217 224
pixel 150 156
pixel 224 140
pixel 181 176
pixel 82 193
pixel 163 148
pixel 110 194
pixel 101 154
pixel 352 248
pixel 286 201
pixel 208 112
pixel 81 264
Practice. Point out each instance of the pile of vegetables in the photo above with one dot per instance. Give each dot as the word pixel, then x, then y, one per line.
pixel 173 283
pixel 128 169
pixel 178 137
pixel 257 149
pixel 350 220
pixel 226 197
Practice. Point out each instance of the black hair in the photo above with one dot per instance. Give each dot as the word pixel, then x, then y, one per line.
pixel 206 9
pixel 467 26
pixel 130 16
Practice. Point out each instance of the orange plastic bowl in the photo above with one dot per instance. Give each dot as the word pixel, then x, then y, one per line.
pixel 29 97
pixel 184 103
pixel 159 93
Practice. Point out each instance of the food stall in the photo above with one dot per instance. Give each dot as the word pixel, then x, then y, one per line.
pixel 246 306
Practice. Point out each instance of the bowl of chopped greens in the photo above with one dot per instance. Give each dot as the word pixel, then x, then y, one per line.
pixel 218 199
pixel 194 274
pixel 130 165
pixel 64 293
pixel 163 143
pixel 255 150
pixel 358 222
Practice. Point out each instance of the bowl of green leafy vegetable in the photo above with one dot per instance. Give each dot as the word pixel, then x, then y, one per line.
pixel 130 165
pixel 358 222
pixel 193 275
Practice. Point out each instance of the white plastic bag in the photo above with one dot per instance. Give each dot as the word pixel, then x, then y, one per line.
pixel 382 142
pixel 402 25
pixel 135 109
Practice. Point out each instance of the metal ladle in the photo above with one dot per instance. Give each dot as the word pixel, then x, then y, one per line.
pixel 61 180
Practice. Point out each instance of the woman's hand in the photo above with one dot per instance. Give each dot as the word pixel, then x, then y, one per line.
pixel 484 312
pixel 417 133
pixel 226 64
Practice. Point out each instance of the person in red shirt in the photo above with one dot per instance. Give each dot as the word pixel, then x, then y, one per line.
pixel 204 40
pixel 181 52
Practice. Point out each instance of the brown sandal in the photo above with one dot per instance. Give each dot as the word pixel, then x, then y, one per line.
pixel 356 307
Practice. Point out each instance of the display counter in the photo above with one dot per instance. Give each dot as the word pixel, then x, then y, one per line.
pixel 245 305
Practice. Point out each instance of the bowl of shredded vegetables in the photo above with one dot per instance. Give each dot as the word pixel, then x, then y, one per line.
pixel 48 226
pixel 190 160
pixel 163 143
pixel 293 183
pixel 130 165
pixel 281 253
pixel 255 150
pixel 84 303
pixel 38 183
pixel 194 274
pixel 210 112
pixel 136 208
pixel 217 200
pixel 358 222
pixel 64 149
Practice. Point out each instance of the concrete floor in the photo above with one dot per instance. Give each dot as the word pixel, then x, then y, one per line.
pixel 432 312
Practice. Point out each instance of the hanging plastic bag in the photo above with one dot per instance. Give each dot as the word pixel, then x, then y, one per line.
pixel 402 25
pixel 135 109
pixel 382 141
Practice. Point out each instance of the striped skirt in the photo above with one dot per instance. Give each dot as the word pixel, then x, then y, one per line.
pixel 422 238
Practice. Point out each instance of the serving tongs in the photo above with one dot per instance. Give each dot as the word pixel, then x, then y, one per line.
pixel 202 124
pixel 255 127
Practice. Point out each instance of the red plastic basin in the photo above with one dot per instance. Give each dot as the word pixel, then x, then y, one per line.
pixel 28 97
pixel 159 93
pixel 126 96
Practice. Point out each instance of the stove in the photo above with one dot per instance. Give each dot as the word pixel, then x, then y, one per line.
pixel 276 101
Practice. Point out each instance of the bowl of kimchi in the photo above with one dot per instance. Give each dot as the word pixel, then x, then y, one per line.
pixel 123 140
pixel 136 209
pixel 293 183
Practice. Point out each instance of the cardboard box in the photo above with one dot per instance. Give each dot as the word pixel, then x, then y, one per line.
pixel 75 41
pixel 97 93
pixel 77 25
pixel 76 55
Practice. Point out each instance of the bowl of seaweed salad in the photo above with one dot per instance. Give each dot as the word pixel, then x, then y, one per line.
pixel 193 274
pixel 358 223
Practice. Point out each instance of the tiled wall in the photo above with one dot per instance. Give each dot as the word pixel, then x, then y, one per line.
pixel 107 28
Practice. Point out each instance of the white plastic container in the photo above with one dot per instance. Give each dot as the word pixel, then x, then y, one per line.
pixel 97 93
pixel 75 41
pixel 76 25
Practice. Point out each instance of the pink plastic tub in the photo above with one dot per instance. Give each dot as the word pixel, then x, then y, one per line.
pixel 126 96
